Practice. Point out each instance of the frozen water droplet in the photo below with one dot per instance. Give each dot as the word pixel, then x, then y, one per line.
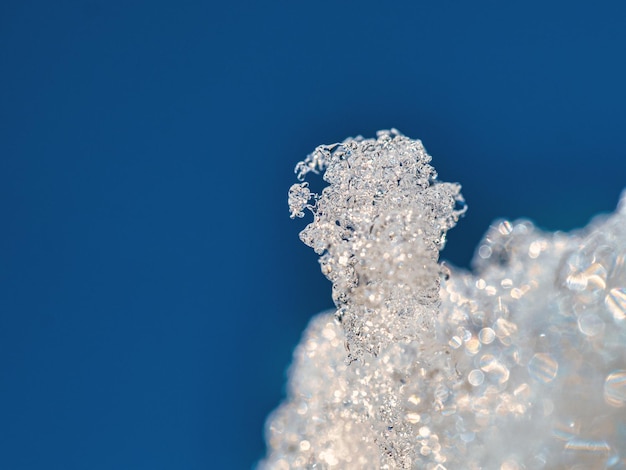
pixel 505 227
pixel 615 301
pixel 455 342
pixel 590 324
pixel 486 335
pixel 472 346
pixel 615 388
pixel 543 367
pixel 476 377
pixel 484 251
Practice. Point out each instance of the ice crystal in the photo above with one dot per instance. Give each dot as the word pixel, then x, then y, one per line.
pixel 518 365
pixel 378 226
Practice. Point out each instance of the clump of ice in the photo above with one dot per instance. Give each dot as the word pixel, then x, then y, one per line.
pixel 520 364
pixel 378 226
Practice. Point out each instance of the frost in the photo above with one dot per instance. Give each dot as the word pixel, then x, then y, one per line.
pixel 520 364
pixel 378 227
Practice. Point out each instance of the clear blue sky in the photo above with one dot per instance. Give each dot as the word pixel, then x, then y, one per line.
pixel 152 286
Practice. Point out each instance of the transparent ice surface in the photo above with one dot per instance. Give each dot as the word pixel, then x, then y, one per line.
pixel 520 364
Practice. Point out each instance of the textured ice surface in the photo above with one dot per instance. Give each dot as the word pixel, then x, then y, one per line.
pixel 520 364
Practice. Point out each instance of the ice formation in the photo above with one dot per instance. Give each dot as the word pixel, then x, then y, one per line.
pixel 520 364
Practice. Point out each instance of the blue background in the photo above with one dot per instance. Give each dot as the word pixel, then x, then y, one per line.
pixel 152 286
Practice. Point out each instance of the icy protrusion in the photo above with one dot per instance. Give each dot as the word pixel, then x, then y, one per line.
pixel 378 227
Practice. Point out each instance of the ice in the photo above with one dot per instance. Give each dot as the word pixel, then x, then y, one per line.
pixel 518 364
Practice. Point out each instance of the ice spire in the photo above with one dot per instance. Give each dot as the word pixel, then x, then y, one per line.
pixel 378 226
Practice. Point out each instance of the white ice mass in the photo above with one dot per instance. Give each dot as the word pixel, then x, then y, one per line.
pixel 520 364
